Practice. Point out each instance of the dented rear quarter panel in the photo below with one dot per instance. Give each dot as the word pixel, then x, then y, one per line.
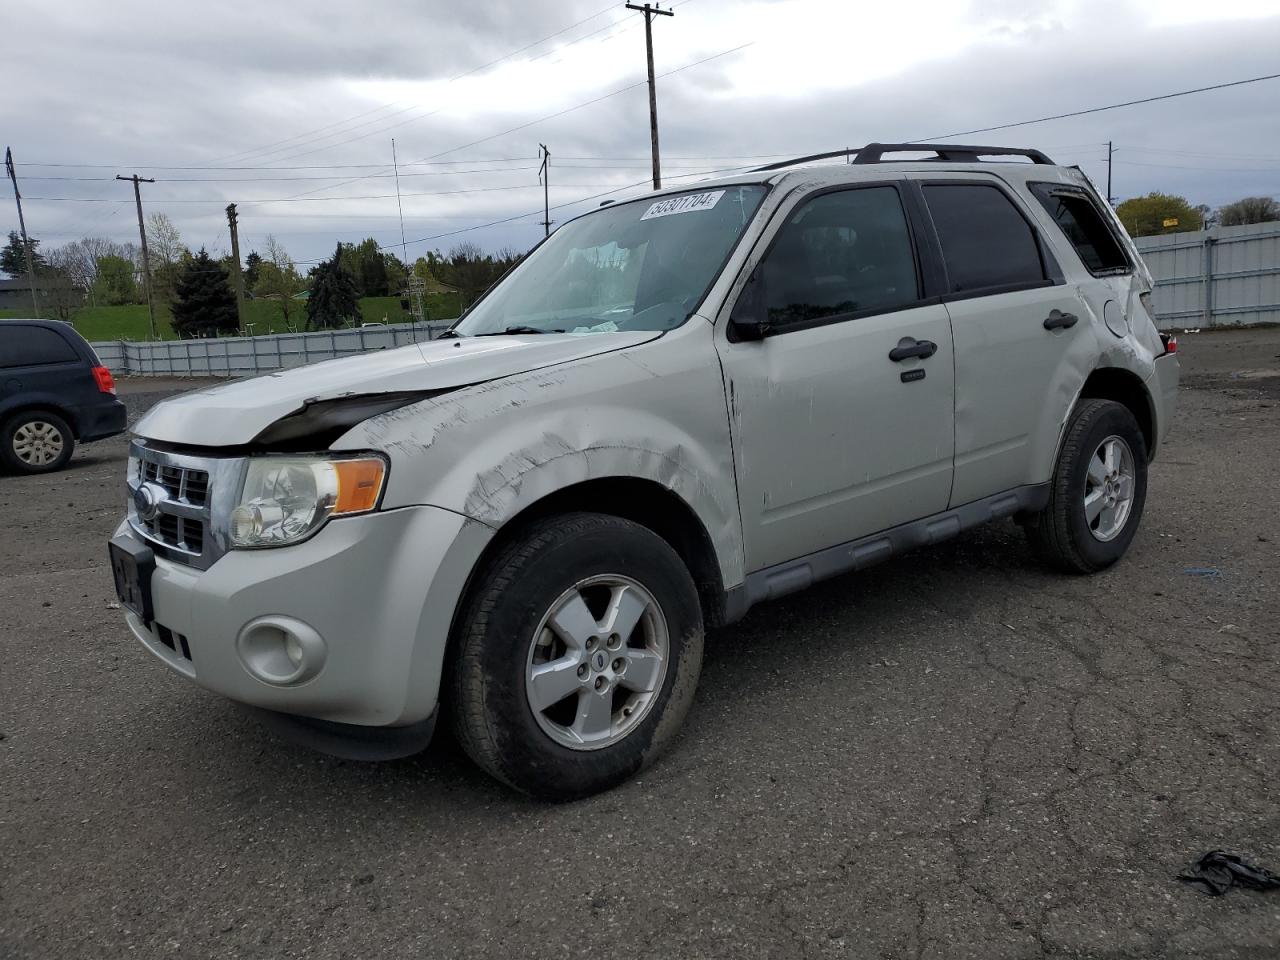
pixel 654 412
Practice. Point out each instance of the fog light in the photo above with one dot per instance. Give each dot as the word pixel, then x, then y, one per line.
pixel 280 650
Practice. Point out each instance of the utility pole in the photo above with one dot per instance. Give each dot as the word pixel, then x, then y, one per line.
pixel 544 174
pixel 404 247
pixel 1110 150
pixel 649 13
pixel 146 256
pixel 239 271
pixel 22 225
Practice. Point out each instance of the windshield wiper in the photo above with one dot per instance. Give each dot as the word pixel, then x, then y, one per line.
pixel 521 328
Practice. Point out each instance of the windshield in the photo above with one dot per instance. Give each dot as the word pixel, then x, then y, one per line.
pixel 642 265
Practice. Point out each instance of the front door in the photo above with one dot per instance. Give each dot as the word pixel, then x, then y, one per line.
pixel 842 414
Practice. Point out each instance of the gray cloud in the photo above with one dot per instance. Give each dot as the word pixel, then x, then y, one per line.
pixel 146 84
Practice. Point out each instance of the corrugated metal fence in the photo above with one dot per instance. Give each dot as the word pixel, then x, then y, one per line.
pixel 245 356
pixel 1226 276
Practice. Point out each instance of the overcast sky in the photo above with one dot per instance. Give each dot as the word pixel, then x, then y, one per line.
pixel 304 99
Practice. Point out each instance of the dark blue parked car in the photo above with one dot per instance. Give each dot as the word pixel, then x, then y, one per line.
pixel 54 391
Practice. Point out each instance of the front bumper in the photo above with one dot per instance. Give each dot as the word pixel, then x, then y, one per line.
pixel 378 591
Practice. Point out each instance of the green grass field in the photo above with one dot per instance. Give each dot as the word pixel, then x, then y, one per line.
pixel 261 316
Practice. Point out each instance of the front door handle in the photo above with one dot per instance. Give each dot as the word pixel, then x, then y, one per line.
pixel 1057 320
pixel 911 347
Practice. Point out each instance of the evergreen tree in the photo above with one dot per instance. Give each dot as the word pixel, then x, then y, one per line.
pixel 13 260
pixel 204 302
pixel 251 265
pixel 334 298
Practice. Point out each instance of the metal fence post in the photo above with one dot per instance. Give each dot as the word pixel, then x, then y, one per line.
pixel 1208 280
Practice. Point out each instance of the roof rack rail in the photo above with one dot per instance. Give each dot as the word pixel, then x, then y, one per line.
pixel 947 152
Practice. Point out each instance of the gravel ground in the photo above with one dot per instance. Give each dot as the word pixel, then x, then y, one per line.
pixel 958 754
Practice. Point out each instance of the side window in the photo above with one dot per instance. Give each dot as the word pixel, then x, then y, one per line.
pixel 23 346
pixel 985 240
pixel 840 253
pixel 1085 226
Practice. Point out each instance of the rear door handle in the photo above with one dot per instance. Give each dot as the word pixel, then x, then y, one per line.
pixel 1057 320
pixel 909 347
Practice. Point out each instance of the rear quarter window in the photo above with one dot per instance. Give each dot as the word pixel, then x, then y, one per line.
pixel 1085 227
pixel 26 346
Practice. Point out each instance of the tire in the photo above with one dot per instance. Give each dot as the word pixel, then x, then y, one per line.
pixel 36 441
pixel 1085 539
pixel 521 615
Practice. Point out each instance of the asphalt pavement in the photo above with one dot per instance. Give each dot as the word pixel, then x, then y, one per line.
pixel 956 754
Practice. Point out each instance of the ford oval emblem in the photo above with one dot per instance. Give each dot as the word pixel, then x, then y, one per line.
pixel 147 499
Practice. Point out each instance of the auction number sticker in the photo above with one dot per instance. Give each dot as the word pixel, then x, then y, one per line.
pixel 689 203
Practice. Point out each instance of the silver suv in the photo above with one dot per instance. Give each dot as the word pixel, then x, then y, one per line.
pixel 676 407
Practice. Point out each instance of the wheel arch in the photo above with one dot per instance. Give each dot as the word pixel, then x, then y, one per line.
pixel 1127 389
pixel 40 405
pixel 642 501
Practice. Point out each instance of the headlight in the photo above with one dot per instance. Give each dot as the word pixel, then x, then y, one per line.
pixel 286 499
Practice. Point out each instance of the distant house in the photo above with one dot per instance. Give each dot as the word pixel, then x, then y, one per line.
pixel 15 295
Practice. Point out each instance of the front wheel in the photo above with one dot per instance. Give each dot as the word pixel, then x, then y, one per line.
pixel 1098 490
pixel 576 657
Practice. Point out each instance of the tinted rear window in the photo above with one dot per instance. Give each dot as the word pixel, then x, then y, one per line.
pixel 25 346
pixel 986 242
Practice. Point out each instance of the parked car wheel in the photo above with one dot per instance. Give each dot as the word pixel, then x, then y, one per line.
pixel 576 656
pixel 1098 490
pixel 36 442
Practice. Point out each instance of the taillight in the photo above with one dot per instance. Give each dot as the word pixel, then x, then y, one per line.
pixel 1170 342
pixel 103 376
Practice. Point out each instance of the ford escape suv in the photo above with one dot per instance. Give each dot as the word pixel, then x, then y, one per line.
pixel 676 407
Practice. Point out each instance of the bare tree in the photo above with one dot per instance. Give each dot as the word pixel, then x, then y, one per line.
pixel 1249 210
pixel 167 251
pixel 278 277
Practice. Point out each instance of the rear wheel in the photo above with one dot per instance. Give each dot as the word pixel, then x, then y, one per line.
pixel 36 442
pixel 1098 490
pixel 577 655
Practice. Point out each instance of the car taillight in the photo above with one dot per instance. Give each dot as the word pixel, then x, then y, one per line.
pixel 1170 342
pixel 103 376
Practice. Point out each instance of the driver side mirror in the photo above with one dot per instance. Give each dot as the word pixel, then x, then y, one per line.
pixel 750 318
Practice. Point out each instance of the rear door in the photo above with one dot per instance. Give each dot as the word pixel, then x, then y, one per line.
pixel 839 430
pixel 1023 340
pixel 35 360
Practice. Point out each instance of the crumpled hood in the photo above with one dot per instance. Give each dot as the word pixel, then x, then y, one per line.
pixel 234 413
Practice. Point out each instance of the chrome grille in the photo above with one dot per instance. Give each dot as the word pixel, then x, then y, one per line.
pixel 181 483
pixel 171 501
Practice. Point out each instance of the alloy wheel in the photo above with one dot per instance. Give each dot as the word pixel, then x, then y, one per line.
pixel 597 662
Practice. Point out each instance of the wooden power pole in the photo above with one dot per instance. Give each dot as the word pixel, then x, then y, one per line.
pixel 146 257
pixel 649 13
pixel 235 256
pixel 22 225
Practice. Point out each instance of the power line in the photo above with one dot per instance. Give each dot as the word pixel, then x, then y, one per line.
pixel 308 138
pixel 550 116
pixel 372 196
pixel 380 166
pixel 1112 106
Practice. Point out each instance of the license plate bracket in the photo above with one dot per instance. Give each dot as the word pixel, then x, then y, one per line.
pixel 132 565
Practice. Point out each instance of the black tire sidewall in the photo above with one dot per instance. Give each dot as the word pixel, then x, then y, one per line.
pixel 11 425
pixel 1111 420
pixel 530 759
